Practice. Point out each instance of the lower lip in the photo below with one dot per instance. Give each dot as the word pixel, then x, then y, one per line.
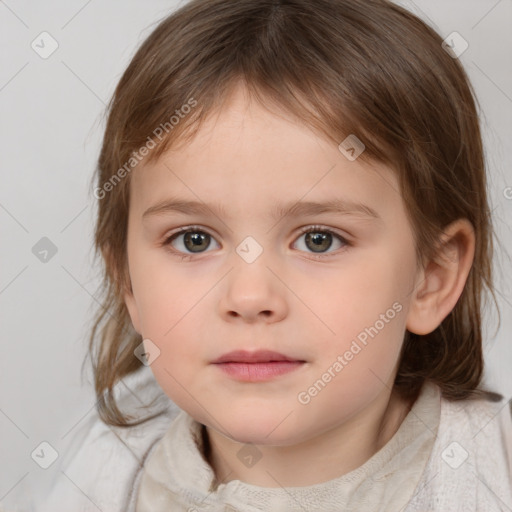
pixel 257 372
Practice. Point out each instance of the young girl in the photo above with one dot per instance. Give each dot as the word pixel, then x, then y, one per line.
pixel 293 217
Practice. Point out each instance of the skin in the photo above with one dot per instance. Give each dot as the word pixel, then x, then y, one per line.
pixel 247 159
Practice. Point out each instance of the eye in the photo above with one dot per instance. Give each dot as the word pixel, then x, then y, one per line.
pixel 194 240
pixel 320 240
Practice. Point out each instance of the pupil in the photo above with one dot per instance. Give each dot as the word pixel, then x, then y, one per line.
pixel 319 240
pixel 197 239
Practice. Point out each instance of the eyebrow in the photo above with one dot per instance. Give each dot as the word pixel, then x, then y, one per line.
pixel 299 208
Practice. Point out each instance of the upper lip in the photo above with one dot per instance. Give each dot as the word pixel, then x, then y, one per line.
pixel 259 356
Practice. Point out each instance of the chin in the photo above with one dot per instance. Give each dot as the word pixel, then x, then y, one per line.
pixel 259 428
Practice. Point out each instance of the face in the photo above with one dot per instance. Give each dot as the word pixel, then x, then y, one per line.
pixel 243 276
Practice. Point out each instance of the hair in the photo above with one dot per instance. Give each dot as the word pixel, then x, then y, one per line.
pixel 363 67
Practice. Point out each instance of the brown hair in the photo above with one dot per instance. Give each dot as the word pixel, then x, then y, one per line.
pixel 363 67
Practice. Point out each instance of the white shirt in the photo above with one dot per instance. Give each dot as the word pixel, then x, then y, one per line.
pixel 177 478
pixel 467 466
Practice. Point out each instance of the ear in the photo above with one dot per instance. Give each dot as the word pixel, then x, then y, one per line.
pixel 124 285
pixel 133 311
pixel 441 282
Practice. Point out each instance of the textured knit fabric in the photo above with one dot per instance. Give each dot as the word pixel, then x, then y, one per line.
pixel 459 471
pixel 103 467
pixel 100 468
pixel 176 477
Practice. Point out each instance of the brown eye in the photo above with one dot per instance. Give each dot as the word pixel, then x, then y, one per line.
pixel 196 241
pixel 319 241
pixel 189 241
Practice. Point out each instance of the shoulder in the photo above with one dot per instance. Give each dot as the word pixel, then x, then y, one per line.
pixel 482 427
pixel 102 461
pixel 471 461
pixel 484 418
pixel 492 431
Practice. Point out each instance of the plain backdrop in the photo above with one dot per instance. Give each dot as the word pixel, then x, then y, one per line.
pixel 52 121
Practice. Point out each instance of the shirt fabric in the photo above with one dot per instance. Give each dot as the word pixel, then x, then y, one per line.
pixel 446 456
pixel 179 476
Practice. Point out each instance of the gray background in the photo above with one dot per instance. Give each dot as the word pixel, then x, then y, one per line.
pixel 52 121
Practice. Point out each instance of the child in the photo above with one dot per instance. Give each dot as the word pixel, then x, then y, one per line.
pixel 290 376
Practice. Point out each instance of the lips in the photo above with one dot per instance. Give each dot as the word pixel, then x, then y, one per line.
pixel 259 366
pixel 260 356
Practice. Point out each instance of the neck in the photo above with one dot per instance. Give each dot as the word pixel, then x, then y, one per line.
pixel 329 455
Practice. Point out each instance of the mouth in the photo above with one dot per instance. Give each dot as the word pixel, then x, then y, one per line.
pixel 256 366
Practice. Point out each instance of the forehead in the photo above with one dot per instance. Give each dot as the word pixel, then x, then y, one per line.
pixel 244 154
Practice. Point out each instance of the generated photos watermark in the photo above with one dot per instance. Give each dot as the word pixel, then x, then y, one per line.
pixel 357 345
pixel 137 156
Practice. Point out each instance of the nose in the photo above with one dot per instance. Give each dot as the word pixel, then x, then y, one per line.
pixel 253 293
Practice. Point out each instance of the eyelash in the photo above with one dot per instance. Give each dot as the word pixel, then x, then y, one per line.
pixel 311 229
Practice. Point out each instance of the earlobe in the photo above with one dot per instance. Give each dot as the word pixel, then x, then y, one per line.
pixel 440 284
pixel 131 306
pixel 125 287
pixel 130 302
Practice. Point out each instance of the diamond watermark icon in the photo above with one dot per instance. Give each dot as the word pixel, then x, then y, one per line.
pixel 44 455
pixel 44 250
pixel 147 352
pixel 249 250
pixel 351 148
pixel 454 455
pixel 44 45
pixel 249 455
pixel 455 45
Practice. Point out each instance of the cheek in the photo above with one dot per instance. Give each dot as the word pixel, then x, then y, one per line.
pixel 181 356
pixel 354 367
pixel 351 300
pixel 364 312
pixel 164 292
